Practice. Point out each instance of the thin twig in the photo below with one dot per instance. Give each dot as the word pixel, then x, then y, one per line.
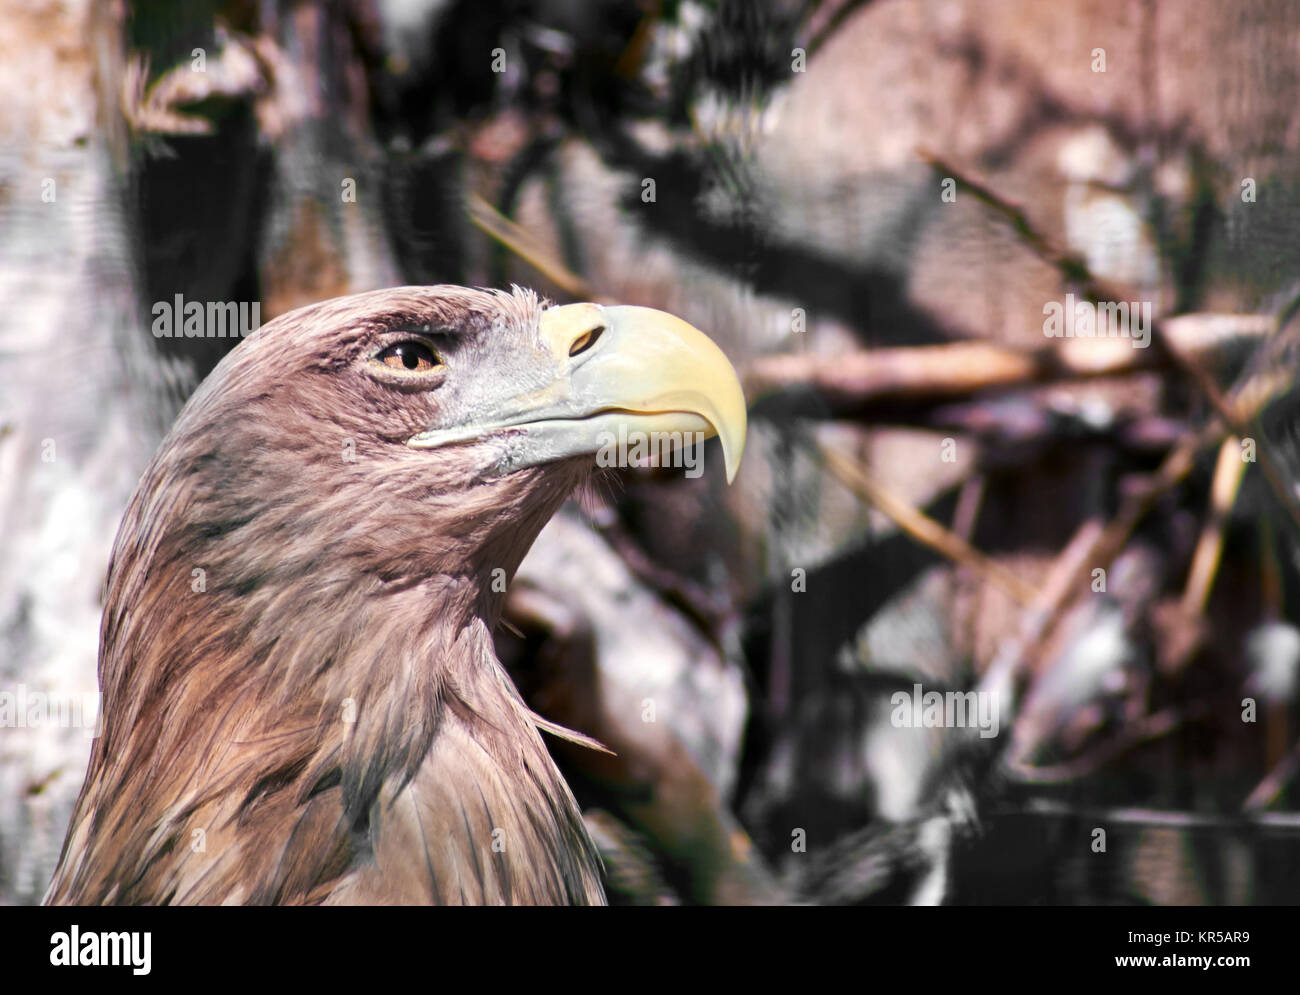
pixel 526 246
pixel 1147 729
pixel 1274 781
pixel 1001 676
pixel 1161 817
pixel 1228 472
pixel 922 527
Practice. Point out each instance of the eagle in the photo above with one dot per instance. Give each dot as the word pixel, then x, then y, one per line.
pixel 301 700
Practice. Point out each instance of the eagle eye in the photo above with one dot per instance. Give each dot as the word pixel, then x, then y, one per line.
pixel 412 356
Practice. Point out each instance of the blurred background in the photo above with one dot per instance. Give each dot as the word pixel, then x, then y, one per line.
pixel 874 207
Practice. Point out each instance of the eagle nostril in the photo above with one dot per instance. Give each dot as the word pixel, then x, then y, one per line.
pixel 586 340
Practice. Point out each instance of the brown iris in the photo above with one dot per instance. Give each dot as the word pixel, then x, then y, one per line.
pixel 412 356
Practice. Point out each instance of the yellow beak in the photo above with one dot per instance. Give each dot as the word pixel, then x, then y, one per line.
pixel 619 376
